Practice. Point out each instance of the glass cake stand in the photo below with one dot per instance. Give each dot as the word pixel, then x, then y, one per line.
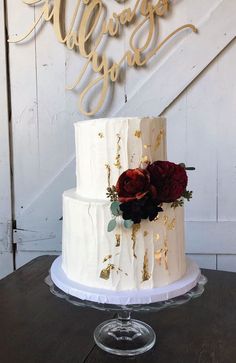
pixel 124 336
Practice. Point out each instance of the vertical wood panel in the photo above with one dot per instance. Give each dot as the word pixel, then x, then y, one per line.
pixel 226 263
pixel 6 260
pixel 25 135
pixel 226 106
pixel 205 261
pixel 201 142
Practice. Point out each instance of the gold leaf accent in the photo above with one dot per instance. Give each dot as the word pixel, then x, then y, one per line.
pixel 157 236
pixel 108 174
pixel 108 257
pixel 165 219
pixel 118 148
pixel 101 135
pixel 146 275
pixel 138 134
pixel 146 146
pixel 135 229
pixel 171 225
pixel 145 233
pixel 144 160
pixel 105 273
pixel 159 139
pixel 161 255
pixel 117 240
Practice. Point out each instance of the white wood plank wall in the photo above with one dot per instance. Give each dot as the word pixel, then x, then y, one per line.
pixel 6 261
pixel 191 81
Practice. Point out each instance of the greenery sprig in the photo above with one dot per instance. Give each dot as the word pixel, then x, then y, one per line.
pixel 112 193
pixel 116 212
pixel 177 203
pixel 188 195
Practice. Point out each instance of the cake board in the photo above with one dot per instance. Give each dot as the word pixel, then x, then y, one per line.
pixel 131 297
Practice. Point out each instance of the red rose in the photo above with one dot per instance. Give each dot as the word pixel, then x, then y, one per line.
pixel 133 184
pixel 169 179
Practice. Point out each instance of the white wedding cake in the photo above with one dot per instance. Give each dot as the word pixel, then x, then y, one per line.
pixel 101 248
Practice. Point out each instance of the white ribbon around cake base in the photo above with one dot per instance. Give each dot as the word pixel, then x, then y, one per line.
pixel 146 296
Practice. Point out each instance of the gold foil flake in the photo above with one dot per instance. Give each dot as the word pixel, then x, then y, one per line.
pixel 108 174
pixel 161 255
pixel 157 236
pixel 135 229
pixel 146 146
pixel 118 148
pixel 165 219
pixel 138 134
pixel 171 225
pixel 117 240
pixel 156 219
pixel 105 273
pixel 159 139
pixel 145 233
pixel 108 257
pixel 101 135
pixel 146 275
pixel 144 160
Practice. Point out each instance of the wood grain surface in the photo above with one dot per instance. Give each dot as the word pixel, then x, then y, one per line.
pixel 39 327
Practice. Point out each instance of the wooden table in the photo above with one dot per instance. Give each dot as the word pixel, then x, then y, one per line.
pixel 36 326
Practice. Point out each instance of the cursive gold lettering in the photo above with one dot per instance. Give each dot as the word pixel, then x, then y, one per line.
pixel 87 36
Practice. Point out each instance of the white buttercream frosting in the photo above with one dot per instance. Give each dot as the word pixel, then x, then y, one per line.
pixel 151 256
pixel 96 147
pixel 86 243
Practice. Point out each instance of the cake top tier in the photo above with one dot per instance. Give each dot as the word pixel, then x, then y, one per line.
pixel 105 148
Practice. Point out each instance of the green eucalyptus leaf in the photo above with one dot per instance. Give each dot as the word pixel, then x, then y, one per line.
pixel 128 223
pixel 115 208
pixel 111 225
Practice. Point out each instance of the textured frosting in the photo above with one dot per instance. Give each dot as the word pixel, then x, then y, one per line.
pixel 158 245
pixel 99 142
pixel 148 255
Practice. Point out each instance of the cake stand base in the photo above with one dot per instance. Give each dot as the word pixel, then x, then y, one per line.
pixel 124 336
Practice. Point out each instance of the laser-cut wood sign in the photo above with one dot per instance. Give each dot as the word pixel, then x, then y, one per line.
pixel 80 37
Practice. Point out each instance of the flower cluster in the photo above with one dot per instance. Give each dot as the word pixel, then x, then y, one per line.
pixel 141 192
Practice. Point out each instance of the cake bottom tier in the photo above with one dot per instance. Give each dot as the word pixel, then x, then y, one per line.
pixel 148 255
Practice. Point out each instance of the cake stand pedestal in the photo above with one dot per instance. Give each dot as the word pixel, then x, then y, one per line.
pixel 124 336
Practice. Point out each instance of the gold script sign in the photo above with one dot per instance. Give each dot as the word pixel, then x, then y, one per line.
pixel 86 35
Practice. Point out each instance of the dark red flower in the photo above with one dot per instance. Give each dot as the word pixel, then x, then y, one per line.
pixel 169 179
pixel 134 184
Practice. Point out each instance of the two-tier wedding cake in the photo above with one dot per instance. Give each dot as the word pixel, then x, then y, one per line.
pixel 123 225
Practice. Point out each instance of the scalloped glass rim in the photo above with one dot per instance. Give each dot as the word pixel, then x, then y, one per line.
pixel 194 293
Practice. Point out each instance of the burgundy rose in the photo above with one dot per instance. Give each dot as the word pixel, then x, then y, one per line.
pixel 133 184
pixel 169 179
